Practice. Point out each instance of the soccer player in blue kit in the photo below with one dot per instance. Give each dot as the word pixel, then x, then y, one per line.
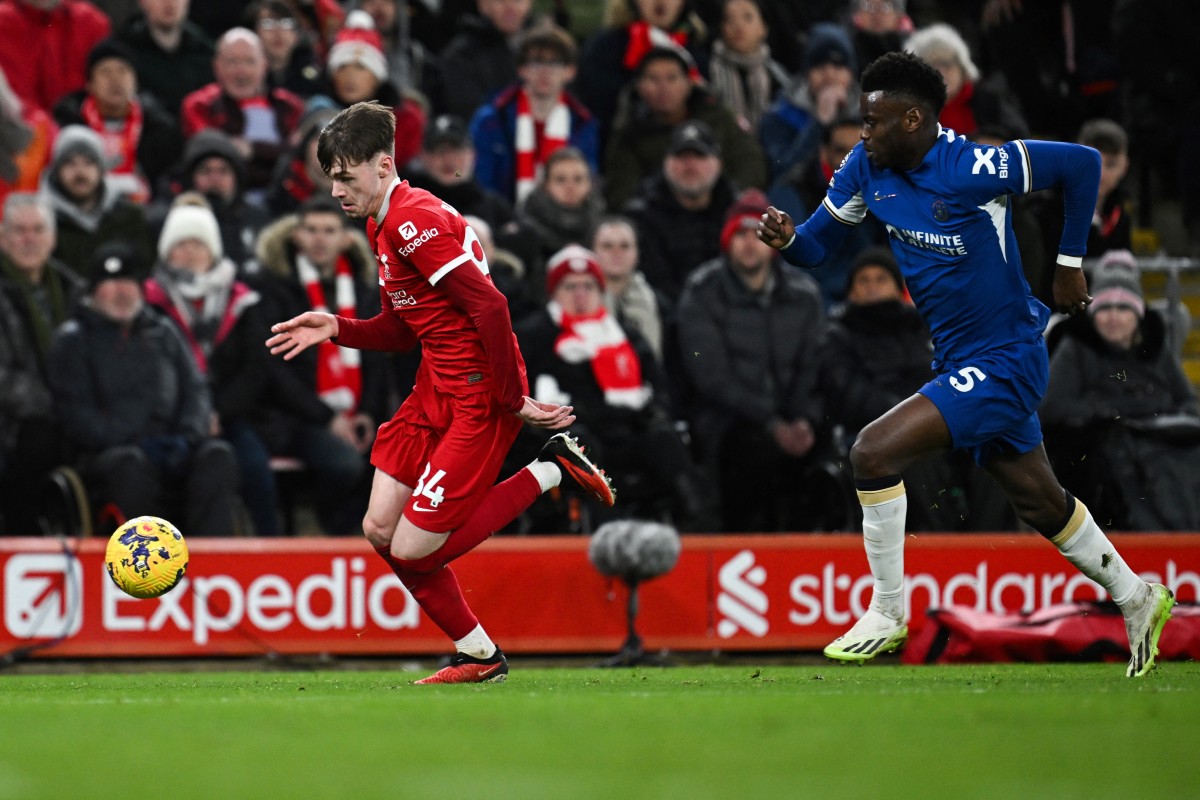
pixel 945 203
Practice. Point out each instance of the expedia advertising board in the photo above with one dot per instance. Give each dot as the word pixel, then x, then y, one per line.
pixel 536 595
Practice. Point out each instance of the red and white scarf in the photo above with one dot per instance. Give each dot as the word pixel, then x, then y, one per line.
pixel 598 338
pixel 339 374
pixel 533 149
pixel 120 147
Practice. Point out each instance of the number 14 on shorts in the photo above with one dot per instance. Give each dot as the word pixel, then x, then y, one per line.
pixel 429 489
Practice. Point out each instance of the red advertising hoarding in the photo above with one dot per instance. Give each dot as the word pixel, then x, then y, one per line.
pixel 534 595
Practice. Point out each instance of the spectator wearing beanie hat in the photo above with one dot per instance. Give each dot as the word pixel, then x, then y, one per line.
pixel 196 287
pixel 885 284
pixel 190 221
pixel 825 88
pixel 213 166
pixel 88 212
pixel 357 70
pixel 1128 446
pixel 749 327
pixel 141 140
pixel 577 352
pixel 1117 282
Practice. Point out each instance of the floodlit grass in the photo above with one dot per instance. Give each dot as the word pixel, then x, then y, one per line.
pixel 1008 731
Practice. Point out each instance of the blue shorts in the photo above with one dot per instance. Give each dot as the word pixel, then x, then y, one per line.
pixel 990 402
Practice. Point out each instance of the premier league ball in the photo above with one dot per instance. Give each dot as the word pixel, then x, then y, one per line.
pixel 146 557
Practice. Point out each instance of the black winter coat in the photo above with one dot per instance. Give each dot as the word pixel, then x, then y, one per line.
pixel 872 357
pixel 673 241
pixel 750 357
pixel 115 387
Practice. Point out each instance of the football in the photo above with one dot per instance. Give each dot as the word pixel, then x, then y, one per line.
pixel 146 557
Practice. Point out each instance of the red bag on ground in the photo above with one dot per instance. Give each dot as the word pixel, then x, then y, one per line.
pixel 1068 632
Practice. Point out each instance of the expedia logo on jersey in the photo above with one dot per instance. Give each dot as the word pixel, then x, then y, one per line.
pixel 401 298
pixel 415 240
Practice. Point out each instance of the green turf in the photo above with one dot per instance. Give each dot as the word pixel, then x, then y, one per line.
pixel 1010 731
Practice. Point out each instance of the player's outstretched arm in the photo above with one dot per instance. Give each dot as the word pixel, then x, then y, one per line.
pixel 545 415
pixel 295 335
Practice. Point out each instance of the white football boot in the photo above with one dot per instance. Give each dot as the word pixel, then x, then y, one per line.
pixel 873 635
pixel 1144 624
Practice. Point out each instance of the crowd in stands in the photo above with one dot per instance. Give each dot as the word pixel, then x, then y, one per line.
pixel 161 205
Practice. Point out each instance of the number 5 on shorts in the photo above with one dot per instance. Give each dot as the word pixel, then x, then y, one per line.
pixel 970 375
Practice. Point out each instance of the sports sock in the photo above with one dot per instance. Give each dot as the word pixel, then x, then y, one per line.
pixel 1086 546
pixel 885 506
pixel 547 473
pixel 476 643
pixel 437 593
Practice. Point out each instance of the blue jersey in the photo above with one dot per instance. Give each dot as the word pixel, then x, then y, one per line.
pixel 951 231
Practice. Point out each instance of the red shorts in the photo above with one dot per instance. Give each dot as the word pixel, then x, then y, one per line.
pixel 448 449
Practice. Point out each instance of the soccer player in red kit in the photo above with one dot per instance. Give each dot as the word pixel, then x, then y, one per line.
pixel 437 459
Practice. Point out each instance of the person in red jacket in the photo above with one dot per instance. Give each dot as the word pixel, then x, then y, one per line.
pixel 436 460
pixel 44 45
pixel 239 102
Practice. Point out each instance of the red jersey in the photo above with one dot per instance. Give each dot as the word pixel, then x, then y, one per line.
pixel 419 242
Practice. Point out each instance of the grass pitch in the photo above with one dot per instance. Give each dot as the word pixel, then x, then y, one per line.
pixel 1003 731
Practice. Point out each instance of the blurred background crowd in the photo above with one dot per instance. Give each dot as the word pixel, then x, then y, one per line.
pixel 162 205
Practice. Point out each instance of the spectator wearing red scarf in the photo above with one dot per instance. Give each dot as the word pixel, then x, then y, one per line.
pixel 141 140
pixel 577 352
pixel 517 132
pixel 329 399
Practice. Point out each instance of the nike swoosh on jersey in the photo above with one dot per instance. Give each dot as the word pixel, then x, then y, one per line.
pixel 416 507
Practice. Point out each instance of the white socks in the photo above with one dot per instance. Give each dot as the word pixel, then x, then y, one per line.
pixel 1086 546
pixel 476 643
pixel 548 474
pixel 884 512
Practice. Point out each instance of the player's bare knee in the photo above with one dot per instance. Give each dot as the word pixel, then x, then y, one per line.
pixel 867 458
pixel 378 533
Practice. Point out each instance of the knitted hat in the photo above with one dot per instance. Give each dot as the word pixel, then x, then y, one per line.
pixel 829 43
pixel 745 213
pixel 114 260
pixel 880 256
pixel 572 259
pixel 358 43
pixel 108 48
pixel 1117 282
pixel 77 140
pixel 190 222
